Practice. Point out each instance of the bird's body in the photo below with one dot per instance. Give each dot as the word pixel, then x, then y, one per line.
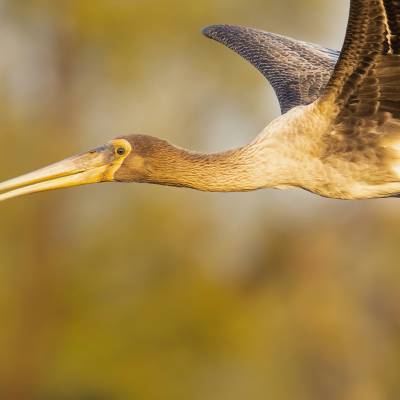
pixel 338 137
pixel 326 163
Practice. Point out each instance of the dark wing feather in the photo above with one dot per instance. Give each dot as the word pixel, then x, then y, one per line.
pixel 365 86
pixel 297 71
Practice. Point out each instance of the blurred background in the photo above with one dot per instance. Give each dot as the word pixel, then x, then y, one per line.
pixel 140 292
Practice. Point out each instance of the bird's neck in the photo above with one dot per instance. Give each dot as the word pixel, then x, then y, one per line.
pixel 243 169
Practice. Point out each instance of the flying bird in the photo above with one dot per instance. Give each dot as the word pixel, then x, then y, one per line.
pixel 338 136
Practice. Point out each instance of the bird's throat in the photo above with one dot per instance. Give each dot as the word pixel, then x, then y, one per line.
pixel 236 170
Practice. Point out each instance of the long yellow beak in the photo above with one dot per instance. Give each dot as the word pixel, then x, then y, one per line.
pixel 94 166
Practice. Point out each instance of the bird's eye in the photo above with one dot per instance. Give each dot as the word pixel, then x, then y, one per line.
pixel 121 151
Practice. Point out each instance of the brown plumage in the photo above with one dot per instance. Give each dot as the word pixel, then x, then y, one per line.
pixel 340 137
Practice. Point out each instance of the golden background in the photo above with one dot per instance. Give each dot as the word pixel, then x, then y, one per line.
pixel 114 291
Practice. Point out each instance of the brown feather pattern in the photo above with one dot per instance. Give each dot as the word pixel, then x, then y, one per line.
pixel 365 92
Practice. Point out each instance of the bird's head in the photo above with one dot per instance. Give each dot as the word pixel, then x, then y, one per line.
pixel 131 158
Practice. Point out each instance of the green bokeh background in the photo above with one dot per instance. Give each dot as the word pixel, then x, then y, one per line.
pixel 115 292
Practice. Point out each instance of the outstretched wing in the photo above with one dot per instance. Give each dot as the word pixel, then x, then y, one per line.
pixel 298 71
pixel 365 87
